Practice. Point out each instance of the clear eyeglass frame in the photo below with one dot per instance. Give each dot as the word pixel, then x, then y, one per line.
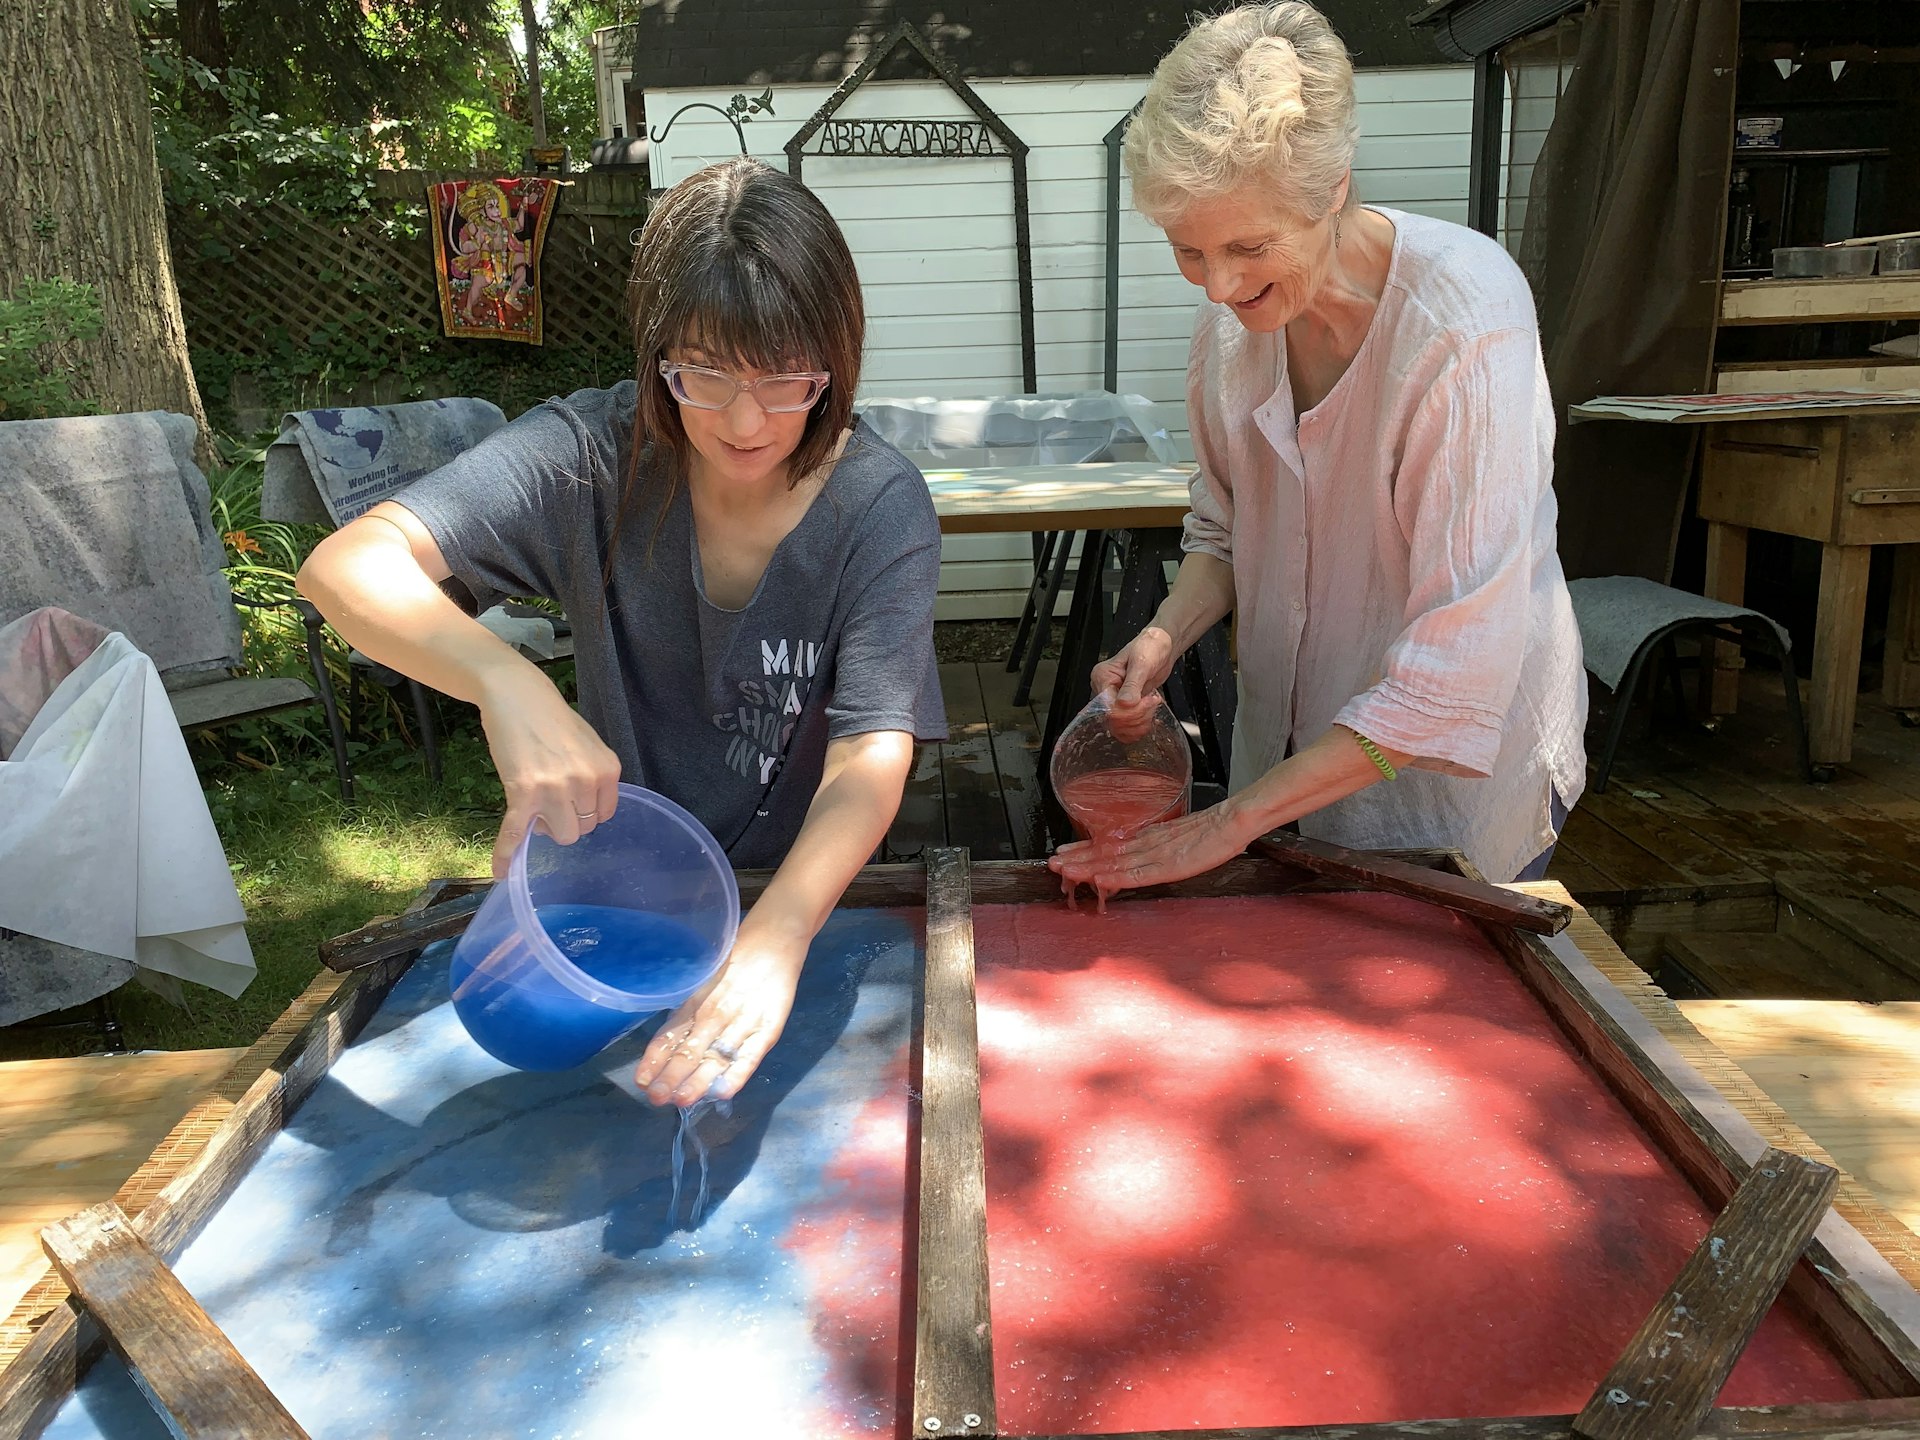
pixel 676 371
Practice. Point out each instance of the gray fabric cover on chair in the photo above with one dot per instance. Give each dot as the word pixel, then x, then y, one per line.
pixel 1616 613
pixel 331 466
pixel 107 516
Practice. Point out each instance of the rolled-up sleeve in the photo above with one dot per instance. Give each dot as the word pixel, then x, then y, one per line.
pixel 1466 495
pixel 1209 523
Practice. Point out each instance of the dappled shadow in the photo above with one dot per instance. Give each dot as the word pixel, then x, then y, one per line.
pixel 525 1152
pixel 1317 1159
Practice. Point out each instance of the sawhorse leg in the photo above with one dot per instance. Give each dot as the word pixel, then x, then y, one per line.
pixel 1726 580
pixel 1902 665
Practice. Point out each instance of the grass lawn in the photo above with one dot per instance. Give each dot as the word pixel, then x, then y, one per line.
pixel 309 868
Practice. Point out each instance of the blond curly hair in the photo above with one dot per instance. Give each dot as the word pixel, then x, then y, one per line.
pixel 1260 95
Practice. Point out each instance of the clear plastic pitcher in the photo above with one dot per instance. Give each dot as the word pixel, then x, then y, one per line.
pixel 1113 784
pixel 582 942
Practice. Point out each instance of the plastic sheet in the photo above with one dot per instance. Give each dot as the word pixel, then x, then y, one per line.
pixel 1067 429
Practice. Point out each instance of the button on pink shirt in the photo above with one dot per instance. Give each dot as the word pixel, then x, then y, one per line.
pixel 1393 554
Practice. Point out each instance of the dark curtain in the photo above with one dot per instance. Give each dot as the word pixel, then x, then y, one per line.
pixel 1621 243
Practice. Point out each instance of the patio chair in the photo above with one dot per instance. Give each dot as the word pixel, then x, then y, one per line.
pixel 1626 620
pixel 108 517
pixel 330 466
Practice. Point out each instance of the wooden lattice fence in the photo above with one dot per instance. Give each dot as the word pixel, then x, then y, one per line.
pixel 254 283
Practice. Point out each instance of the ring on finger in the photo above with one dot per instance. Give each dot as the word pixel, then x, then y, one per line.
pixel 726 1052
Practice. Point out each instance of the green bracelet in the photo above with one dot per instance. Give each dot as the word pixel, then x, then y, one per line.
pixel 1373 753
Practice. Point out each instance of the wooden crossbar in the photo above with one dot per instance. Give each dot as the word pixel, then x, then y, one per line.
pixel 953 1324
pixel 1666 1379
pixel 199 1385
pixel 1467 894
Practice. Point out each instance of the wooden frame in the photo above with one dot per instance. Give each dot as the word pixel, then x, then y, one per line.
pixel 1842 1281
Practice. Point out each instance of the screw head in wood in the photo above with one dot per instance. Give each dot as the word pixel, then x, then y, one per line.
pixel 972 1422
pixel 930 1424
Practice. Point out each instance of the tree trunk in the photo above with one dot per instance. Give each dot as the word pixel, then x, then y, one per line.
pixel 203 39
pixel 78 168
pixel 531 23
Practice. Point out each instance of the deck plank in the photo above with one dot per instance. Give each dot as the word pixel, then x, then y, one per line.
pixel 1016 752
pixel 1848 1074
pixel 1780 839
pixel 1698 858
pixel 976 814
pixel 921 820
pixel 1576 872
pixel 73 1130
pixel 1630 868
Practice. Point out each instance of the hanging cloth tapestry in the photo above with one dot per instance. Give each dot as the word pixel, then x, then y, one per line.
pixel 486 251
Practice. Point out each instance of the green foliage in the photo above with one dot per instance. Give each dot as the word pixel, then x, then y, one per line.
pixel 288 121
pixel 251 154
pixel 319 92
pixel 263 557
pixel 416 367
pixel 39 326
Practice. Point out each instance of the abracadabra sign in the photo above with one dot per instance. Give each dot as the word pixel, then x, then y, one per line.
pixel 917 139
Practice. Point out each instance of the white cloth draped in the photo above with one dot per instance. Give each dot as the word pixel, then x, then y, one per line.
pixel 106 843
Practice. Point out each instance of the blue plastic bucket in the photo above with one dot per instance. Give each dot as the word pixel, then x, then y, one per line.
pixel 582 942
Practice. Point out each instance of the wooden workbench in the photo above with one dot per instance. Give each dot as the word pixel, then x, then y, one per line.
pixel 1847 477
pixel 1021 499
pixel 1135 510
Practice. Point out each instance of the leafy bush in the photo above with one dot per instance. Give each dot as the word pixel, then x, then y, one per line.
pixel 39 326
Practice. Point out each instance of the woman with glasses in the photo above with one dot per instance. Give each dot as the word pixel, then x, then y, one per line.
pixel 1374 498
pixel 749 576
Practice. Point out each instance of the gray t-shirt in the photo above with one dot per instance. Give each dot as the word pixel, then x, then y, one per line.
pixel 727 712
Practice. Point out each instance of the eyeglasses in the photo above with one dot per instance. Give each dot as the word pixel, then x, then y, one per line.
pixel 706 389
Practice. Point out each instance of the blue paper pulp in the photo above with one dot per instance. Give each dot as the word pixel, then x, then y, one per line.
pixel 439 1246
pixel 532 1021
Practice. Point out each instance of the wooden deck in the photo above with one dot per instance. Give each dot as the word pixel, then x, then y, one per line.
pixel 1709 860
pixel 72 1131
pixel 1848 1074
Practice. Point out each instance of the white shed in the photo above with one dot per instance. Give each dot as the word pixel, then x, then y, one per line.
pixel 934 238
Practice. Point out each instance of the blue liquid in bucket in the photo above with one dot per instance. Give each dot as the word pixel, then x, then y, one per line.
pixel 529 1020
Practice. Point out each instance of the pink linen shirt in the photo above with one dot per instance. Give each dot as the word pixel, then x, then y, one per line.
pixel 1393 554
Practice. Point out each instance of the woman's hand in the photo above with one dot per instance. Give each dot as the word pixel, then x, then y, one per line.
pixel 714 1042
pixel 556 771
pixel 1158 855
pixel 1132 679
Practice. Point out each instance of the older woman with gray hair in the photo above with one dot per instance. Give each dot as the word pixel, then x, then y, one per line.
pixel 1373 501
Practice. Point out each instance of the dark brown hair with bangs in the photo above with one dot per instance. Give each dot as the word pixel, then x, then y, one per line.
pixel 745 263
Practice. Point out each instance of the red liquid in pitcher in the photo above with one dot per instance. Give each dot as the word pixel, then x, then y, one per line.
pixel 1116 804
pixel 1109 806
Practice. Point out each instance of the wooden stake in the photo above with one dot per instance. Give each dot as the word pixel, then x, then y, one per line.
pixel 1665 1382
pixel 189 1371
pixel 953 1329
